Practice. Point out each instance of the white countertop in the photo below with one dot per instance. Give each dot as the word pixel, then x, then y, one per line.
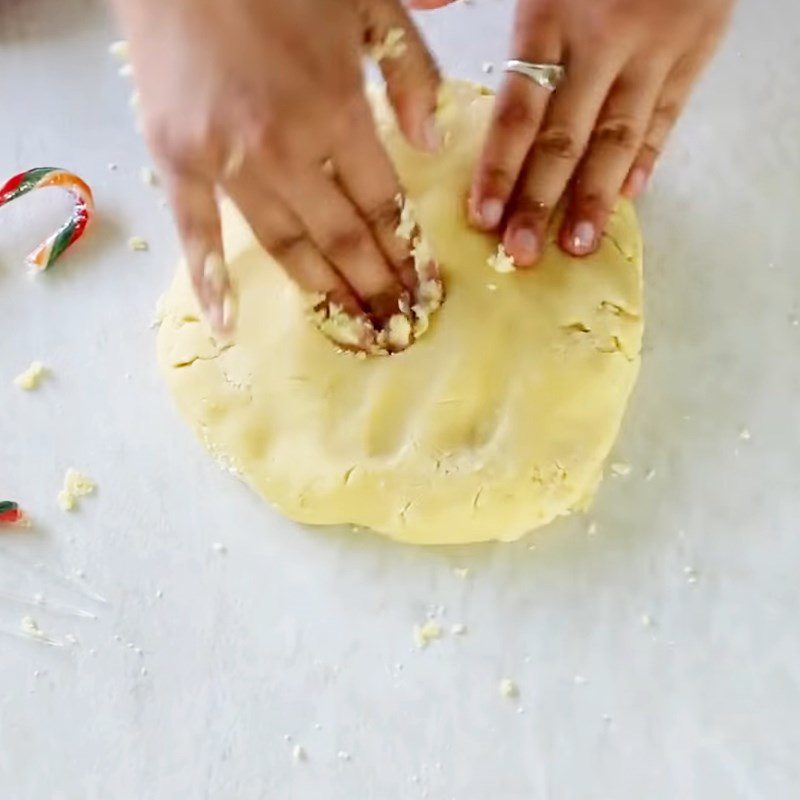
pixel 306 634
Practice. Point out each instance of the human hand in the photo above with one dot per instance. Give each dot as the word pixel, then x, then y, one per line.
pixel 265 100
pixel 630 67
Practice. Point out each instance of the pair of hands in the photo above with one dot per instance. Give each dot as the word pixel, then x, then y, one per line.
pixel 264 99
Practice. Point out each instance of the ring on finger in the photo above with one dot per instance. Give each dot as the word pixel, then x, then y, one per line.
pixel 548 76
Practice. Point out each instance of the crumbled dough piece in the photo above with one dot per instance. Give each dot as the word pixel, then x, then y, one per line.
pixel 137 244
pixel 459 629
pixel 392 46
pixel 745 435
pixel 343 755
pixel 579 680
pixel 620 469
pixel 592 529
pixel 299 753
pixel 125 71
pixel 462 572
pixel 425 634
pixel 32 377
pixel 501 261
pixel 487 67
pixel 30 626
pixel 76 485
pixel 647 621
pixel 149 176
pixel 120 50
pixel 508 688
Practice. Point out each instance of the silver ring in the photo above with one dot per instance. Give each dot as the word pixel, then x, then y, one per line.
pixel 548 76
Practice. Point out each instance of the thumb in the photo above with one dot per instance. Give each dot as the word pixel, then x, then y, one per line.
pixel 411 75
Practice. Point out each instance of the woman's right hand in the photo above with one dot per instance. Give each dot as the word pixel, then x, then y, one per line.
pixel 265 100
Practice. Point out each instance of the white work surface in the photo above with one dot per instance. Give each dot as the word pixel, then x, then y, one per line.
pixel 658 658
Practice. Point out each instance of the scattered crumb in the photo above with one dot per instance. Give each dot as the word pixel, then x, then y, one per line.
pixel 592 529
pixel 459 629
pixel 492 287
pixel 647 621
pixel 125 71
pixel 159 594
pixel 462 572
pixel 143 672
pixel 149 176
pixel 30 626
pixel 620 469
pixel 138 244
pixel 76 485
pixel 487 67
pixel 520 710
pixel 120 50
pixel 32 377
pixel 745 435
pixel 501 261
pixel 299 753
pixel 425 634
pixel 690 573
pixel 220 548
pixel 343 755
pixel 508 688
pixel 651 473
pixel 579 680
pixel 112 167
pixel 392 46
pixel 134 101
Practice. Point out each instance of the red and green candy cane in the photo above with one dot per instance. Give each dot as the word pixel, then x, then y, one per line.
pixel 48 252
pixel 11 513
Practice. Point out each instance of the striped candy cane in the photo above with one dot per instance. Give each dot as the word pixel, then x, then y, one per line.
pixel 48 252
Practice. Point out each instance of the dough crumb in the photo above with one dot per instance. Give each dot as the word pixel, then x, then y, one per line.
pixel 690 573
pixel 76 485
pixel 487 67
pixel 30 627
pixel 492 287
pixel 138 244
pixel 501 261
pixel 120 50
pixel 299 753
pixel 651 473
pixel 220 548
pixel 579 680
pixel 647 621
pixel 745 435
pixel 620 469
pixel 462 572
pixel 125 71
pixel 392 46
pixel 459 629
pixel 425 634
pixel 508 688
pixel 343 755
pixel 32 377
pixel 592 529
pixel 149 176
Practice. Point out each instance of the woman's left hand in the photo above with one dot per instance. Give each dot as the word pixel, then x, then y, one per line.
pixel 630 67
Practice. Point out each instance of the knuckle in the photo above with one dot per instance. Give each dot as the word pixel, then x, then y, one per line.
pixel 385 214
pixel 667 113
pixel 514 115
pixel 594 202
pixel 496 180
pixel 531 211
pixel 624 134
pixel 341 246
pixel 559 143
pixel 282 247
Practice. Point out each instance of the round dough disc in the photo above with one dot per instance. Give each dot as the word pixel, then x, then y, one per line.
pixel 495 422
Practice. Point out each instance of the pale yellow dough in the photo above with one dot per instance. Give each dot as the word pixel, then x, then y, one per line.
pixel 495 422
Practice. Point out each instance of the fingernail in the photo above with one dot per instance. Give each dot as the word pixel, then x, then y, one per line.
pixel 524 246
pixel 636 183
pixel 431 135
pixel 583 236
pixel 215 275
pixel 491 212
